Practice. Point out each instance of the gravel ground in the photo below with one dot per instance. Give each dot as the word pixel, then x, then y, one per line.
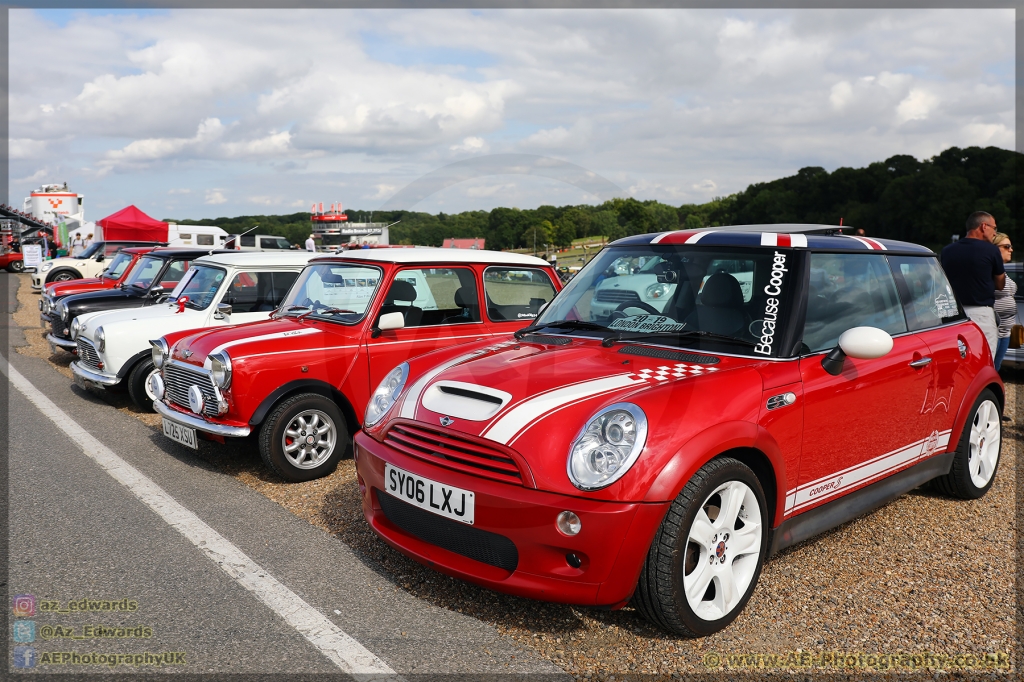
pixel 924 574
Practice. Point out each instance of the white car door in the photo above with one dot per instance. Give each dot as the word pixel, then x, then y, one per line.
pixel 254 294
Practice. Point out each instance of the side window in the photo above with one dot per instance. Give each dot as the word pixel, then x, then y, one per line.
pixel 111 249
pixel 849 290
pixel 204 240
pixel 253 292
pixel 187 238
pixel 929 298
pixel 433 296
pixel 173 274
pixel 247 240
pixel 283 282
pixel 516 293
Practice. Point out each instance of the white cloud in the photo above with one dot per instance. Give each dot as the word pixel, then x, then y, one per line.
pixel 179 191
pixel 25 148
pixel 473 145
pixel 917 105
pixel 706 186
pixel 215 196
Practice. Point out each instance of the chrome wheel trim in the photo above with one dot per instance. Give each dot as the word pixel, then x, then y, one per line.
pixel 62 277
pixel 306 425
pixel 148 387
pixel 983 446
pixel 720 560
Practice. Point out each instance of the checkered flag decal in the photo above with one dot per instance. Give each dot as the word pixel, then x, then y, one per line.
pixel 668 373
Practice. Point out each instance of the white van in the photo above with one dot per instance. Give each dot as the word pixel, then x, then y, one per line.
pixel 257 242
pixel 196 235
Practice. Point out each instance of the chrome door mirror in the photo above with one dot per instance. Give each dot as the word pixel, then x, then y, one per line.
pixel 223 310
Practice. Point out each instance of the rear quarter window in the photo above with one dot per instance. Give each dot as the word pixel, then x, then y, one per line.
pixel 928 298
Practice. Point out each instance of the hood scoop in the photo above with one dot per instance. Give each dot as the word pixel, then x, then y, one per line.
pixel 666 354
pixel 465 401
pixel 547 340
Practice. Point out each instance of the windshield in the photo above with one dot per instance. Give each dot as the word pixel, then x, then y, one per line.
pixel 117 266
pixel 142 275
pixel 200 284
pixel 722 299
pixel 334 291
pixel 93 249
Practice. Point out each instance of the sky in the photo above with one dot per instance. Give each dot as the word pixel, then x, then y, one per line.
pixel 207 113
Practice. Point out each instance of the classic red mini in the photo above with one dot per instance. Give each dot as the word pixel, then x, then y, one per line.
pixel 301 380
pixel 689 404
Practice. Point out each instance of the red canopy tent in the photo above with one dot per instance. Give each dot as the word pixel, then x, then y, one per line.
pixel 131 223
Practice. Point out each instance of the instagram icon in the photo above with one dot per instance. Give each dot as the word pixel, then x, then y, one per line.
pixel 24 605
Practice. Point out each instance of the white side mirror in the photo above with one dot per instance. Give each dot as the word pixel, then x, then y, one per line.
pixel 390 321
pixel 865 343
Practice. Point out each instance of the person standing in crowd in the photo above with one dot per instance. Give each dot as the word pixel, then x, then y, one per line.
pixel 88 240
pixel 77 245
pixel 975 271
pixel 1005 305
pixel 310 244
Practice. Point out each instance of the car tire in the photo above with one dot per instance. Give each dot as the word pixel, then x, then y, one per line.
pixel 977 457
pixel 286 455
pixel 16 266
pixel 138 385
pixel 702 568
pixel 63 275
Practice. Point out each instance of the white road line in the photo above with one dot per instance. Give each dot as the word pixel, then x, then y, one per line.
pixel 344 651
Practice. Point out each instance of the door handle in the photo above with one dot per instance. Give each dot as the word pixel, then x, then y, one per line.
pixel 920 363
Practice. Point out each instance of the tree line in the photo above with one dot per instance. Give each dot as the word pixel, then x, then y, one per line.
pixel 925 202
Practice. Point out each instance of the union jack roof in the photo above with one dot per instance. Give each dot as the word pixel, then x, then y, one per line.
pixel 817 237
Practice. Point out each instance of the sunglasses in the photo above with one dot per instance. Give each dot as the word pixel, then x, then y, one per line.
pixel 1008 247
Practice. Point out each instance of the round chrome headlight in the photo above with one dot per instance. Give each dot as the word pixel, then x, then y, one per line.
pixel 220 369
pixel 62 310
pixel 101 338
pixel 76 329
pixel 386 394
pixel 607 446
pixel 160 352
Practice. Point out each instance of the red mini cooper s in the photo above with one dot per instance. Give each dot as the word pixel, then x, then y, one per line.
pixel 689 404
pixel 302 379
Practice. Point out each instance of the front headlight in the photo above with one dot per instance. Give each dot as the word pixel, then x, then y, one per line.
pixel 160 352
pixel 62 310
pixel 220 369
pixel 76 329
pixel 386 394
pixel 101 338
pixel 46 266
pixel 656 291
pixel 607 446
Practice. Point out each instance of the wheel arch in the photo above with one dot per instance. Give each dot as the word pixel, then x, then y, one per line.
pixel 129 365
pixel 308 386
pixel 988 378
pixel 50 275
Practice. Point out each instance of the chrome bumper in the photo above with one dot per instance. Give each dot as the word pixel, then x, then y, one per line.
pixel 66 344
pixel 198 423
pixel 92 377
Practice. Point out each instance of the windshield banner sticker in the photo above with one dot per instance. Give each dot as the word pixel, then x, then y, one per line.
pixel 771 306
pixel 647 323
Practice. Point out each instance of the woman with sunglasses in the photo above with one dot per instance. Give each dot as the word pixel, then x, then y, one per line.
pixel 1005 305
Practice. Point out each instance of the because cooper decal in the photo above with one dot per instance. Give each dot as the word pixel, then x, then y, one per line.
pixel 771 305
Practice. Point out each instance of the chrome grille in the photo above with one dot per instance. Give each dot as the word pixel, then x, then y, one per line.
pixel 87 354
pixel 177 380
pixel 615 295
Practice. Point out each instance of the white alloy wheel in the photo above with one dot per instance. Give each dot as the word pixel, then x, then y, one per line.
pixel 983 455
pixel 722 550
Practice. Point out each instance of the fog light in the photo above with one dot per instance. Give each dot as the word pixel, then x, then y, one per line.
pixel 573 560
pixel 568 523
pixel 156 385
pixel 196 402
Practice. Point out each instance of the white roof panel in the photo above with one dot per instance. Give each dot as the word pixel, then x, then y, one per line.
pixel 435 256
pixel 247 259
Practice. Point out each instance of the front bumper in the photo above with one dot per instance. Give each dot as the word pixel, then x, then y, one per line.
pixel 198 423
pixel 610 548
pixel 37 280
pixel 66 344
pixel 92 377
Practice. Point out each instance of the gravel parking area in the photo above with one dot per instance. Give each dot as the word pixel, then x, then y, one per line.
pixel 923 575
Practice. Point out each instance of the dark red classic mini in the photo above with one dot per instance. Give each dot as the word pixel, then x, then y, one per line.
pixel 302 379
pixel 689 404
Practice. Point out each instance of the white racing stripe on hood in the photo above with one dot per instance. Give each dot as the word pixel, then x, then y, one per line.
pixel 265 337
pixel 505 428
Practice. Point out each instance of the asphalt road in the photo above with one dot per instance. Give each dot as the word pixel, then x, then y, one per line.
pixel 78 532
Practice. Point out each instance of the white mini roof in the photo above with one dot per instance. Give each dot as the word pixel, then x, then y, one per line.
pixel 248 259
pixel 434 256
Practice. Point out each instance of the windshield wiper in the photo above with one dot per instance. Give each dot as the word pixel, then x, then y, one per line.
pixel 332 311
pixel 561 324
pixel 680 333
pixel 289 309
